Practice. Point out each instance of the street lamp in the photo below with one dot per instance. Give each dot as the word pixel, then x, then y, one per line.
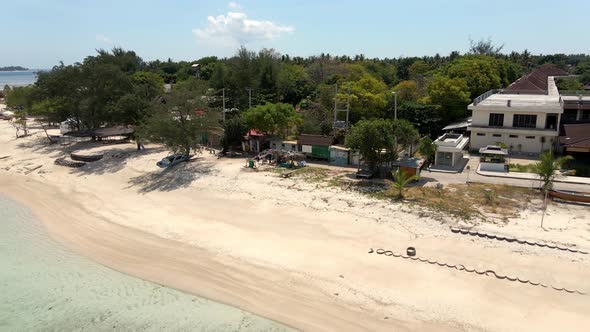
pixel 394 105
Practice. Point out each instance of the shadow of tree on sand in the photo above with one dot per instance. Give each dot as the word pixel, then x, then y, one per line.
pixel 114 159
pixel 169 179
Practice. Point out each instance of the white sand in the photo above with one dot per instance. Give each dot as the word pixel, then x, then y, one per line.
pixel 286 250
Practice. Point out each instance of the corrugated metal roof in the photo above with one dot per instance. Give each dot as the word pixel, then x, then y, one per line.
pixel 576 135
pixel 315 140
pixel 456 125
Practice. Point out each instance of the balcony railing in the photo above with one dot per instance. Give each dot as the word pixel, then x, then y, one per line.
pixel 484 95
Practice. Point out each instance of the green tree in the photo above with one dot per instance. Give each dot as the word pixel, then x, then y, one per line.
pixel 569 83
pixel 427 148
pixel 405 133
pixel 407 91
pixel 274 119
pixel 418 69
pixel 293 84
pixel 179 121
pixel 451 93
pixel 547 167
pixel 484 47
pixel 480 73
pixel 233 132
pixel 425 117
pixel 368 96
pixel 375 141
pixel 401 180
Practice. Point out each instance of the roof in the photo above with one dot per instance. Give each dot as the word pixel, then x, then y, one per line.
pixel 339 147
pixel 254 132
pixel 466 123
pixel 536 81
pixel 576 135
pixel 493 150
pixel 103 132
pixel 414 162
pixel 306 139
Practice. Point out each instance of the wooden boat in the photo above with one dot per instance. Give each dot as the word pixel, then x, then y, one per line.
pixel 570 196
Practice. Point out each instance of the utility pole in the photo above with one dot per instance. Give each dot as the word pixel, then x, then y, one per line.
pixel 394 105
pixel 249 97
pixel 544 206
pixel 335 106
pixel 336 110
pixel 223 104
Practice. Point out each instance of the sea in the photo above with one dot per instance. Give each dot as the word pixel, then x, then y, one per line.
pixel 46 287
pixel 17 78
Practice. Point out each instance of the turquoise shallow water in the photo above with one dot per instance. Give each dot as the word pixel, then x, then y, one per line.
pixel 17 78
pixel 45 287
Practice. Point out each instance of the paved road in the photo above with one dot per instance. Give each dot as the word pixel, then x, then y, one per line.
pixel 472 176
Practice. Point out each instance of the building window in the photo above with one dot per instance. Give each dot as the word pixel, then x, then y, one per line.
pixel 530 137
pixel 585 115
pixel 497 135
pixel 513 136
pixel 481 134
pixel 524 121
pixel 496 120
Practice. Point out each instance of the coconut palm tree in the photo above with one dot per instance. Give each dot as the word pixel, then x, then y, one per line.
pixel 401 180
pixel 547 167
pixel 427 148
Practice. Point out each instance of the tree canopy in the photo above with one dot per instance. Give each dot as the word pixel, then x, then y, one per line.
pixel 375 140
pixel 274 119
pixel 181 121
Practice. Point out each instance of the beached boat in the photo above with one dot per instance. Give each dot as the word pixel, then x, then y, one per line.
pixel 570 196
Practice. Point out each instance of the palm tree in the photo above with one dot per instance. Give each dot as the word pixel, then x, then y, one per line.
pixel 427 148
pixel 400 180
pixel 547 167
pixel 405 133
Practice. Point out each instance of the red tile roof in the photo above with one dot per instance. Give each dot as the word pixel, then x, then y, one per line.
pixel 254 132
pixel 535 82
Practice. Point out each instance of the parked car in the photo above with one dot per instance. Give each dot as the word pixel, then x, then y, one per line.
pixel 172 160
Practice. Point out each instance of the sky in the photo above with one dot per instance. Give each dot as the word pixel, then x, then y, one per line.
pixel 40 33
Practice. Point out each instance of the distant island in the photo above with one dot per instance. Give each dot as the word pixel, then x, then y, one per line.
pixel 13 68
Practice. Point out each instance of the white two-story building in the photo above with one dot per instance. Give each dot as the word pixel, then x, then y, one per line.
pixel 524 117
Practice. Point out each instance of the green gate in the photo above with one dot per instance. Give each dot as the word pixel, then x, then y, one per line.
pixel 320 151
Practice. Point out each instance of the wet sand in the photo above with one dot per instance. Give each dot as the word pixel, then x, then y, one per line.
pixel 46 287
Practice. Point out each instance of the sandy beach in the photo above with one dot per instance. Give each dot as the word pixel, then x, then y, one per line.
pixel 296 252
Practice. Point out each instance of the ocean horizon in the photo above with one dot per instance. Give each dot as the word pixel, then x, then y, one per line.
pixel 18 78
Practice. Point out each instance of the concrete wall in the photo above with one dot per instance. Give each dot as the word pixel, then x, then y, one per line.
pixel 457 156
pixel 492 167
pixel 482 117
pixel 279 144
pixel 517 144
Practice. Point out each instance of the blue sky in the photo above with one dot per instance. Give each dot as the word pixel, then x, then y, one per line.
pixel 40 33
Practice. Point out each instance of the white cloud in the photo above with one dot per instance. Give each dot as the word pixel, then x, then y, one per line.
pixel 235 29
pixel 233 5
pixel 104 39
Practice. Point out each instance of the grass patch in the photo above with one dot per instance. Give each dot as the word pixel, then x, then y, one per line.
pixel 530 168
pixel 309 173
pixel 465 201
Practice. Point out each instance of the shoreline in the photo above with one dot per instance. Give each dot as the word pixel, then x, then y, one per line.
pixel 49 287
pixel 290 252
pixel 92 239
